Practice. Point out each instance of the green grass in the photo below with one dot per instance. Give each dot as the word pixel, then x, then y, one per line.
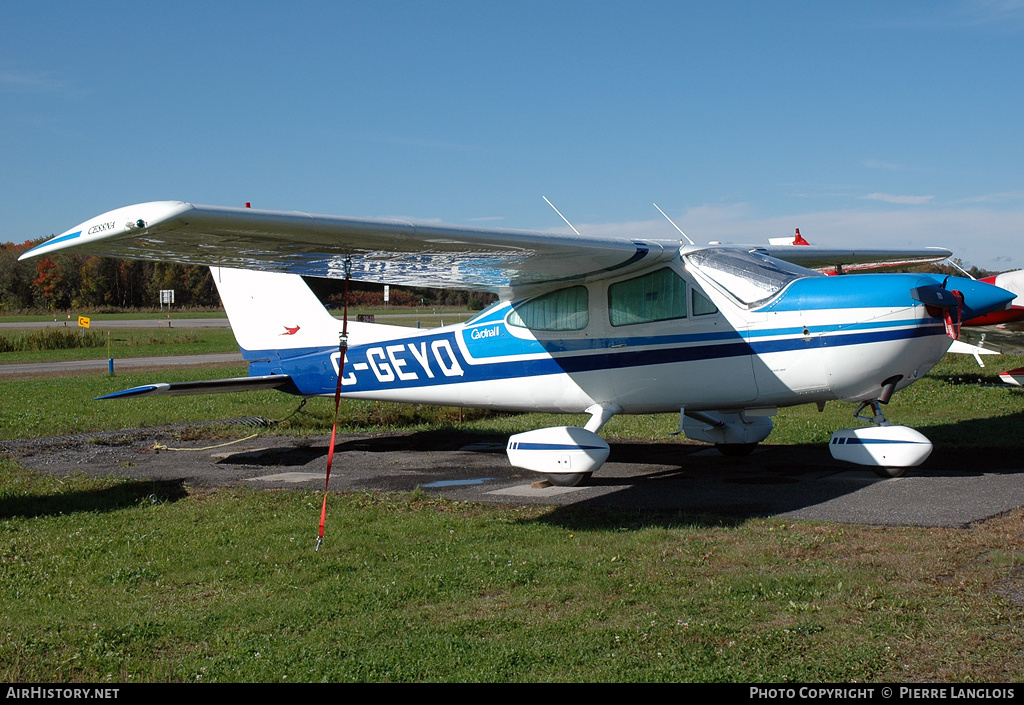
pixel 129 581
pixel 122 343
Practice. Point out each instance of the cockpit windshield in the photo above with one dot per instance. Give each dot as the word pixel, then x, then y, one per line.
pixel 750 277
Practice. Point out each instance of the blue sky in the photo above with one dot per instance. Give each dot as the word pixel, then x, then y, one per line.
pixel 861 123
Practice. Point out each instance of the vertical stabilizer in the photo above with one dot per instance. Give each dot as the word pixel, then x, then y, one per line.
pixel 272 310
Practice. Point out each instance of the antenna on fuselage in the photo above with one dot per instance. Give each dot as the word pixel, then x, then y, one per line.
pixel 674 225
pixel 561 216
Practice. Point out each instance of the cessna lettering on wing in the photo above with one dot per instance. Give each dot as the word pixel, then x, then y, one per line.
pixel 404 362
pixel 100 228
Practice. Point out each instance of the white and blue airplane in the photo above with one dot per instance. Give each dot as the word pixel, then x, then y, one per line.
pixel 723 335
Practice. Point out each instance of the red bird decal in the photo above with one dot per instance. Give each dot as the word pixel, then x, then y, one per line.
pixel 290 331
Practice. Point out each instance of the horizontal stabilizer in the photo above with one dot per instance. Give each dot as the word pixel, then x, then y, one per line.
pixel 207 386
pixel 1014 377
pixel 960 347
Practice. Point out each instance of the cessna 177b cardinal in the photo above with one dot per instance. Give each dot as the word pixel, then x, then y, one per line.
pixel 723 335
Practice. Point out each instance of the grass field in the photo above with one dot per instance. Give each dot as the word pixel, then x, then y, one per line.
pixel 22 344
pixel 127 581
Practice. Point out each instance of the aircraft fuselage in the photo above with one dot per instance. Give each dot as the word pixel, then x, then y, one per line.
pixel 817 339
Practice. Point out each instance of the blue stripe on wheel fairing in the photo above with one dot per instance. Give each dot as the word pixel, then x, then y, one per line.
pixel 856 441
pixel 551 446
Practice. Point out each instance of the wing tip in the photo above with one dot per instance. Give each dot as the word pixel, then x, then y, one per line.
pixel 112 224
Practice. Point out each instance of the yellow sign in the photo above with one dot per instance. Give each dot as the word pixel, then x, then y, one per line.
pixel 83 321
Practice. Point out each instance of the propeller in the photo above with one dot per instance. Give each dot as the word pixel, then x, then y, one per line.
pixel 941 302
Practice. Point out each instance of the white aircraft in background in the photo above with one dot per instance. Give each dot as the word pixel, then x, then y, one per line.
pixel 601 326
pixel 1014 313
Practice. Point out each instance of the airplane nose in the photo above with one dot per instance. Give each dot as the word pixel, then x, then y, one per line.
pixel 978 297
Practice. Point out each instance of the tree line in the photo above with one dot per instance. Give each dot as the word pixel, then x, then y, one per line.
pixel 64 281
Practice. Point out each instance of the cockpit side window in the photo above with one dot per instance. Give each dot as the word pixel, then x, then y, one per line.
pixel 565 309
pixel 658 296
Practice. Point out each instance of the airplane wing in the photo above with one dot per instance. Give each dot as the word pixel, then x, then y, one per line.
pixel 846 260
pixel 837 261
pixel 393 251
pixel 386 251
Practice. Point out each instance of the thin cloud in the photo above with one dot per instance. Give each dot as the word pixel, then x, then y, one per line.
pixel 1002 197
pixel 30 81
pixel 898 200
pixel 999 15
pixel 1002 13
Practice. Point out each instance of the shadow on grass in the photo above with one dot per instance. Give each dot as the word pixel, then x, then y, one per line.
pixel 978 445
pixel 120 496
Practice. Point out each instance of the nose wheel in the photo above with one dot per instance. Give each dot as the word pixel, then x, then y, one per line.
pixel 888 450
pixel 568 479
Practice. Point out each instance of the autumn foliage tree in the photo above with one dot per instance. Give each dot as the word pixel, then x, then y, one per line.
pixel 15 277
pixel 64 281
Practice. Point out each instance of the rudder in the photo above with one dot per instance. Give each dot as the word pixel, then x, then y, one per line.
pixel 274 310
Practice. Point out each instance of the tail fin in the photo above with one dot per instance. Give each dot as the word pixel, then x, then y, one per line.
pixel 272 310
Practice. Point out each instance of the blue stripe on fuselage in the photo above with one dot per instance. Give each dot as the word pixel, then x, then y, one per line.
pixel 431 360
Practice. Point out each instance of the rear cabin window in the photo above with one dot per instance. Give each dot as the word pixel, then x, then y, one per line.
pixel 565 309
pixel 658 296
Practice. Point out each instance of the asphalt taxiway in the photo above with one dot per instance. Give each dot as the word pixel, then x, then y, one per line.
pixel 951 489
